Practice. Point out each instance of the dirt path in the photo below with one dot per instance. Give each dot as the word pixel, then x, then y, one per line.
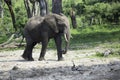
pixel 13 67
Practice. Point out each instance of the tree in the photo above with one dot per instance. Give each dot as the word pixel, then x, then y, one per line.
pixel 73 18
pixel 43 7
pixel 28 9
pixel 9 4
pixel 33 9
pixel 57 6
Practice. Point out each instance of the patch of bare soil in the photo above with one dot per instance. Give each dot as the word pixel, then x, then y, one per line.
pixel 76 66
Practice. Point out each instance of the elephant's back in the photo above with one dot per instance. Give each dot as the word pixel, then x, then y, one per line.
pixel 34 22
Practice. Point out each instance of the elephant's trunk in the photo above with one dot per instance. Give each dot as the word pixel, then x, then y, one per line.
pixel 67 34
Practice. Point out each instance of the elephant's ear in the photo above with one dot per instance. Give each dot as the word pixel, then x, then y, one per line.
pixel 59 19
pixel 51 21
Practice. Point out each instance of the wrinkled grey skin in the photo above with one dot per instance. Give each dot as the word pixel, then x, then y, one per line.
pixel 42 29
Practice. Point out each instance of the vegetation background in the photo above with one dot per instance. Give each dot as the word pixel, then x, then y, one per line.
pixel 92 45
pixel 98 22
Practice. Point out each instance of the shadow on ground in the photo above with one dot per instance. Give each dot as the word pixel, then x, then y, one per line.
pixel 109 71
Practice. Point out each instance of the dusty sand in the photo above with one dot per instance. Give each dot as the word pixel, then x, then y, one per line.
pixel 13 67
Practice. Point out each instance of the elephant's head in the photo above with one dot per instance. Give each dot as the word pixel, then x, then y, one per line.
pixel 65 23
pixel 59 23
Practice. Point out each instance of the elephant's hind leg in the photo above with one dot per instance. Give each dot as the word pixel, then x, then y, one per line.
pixel 27 55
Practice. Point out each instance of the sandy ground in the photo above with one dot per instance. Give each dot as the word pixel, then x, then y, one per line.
pixel 13 67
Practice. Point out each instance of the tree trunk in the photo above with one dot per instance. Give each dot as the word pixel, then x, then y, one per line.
pixel 27 6
pixel 57 6
pixel 35 9
pixel 43 7
pixel 9 4
pixel 73 18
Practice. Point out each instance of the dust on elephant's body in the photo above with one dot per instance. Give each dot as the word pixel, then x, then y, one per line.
pixel 41 29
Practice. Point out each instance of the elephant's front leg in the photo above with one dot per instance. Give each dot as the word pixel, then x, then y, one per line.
pixel 58 41
pixel 43 50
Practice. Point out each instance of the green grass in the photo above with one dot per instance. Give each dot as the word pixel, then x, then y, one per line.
pixel 95 35
pixel 100 55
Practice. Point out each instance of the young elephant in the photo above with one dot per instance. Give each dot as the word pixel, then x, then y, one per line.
pixel 41 29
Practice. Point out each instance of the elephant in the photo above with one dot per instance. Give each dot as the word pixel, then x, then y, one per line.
pixel 42 29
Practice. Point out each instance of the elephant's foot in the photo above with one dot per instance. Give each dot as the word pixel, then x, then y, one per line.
pixel 64 52
pixel 26 58
pixel 30 59
pixel 41 59
pixel 61 59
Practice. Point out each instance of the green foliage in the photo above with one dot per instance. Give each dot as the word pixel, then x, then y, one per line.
pixel 21 15
pixel 99 54
pixel 80 7
pixel 95 21
pixel 6 26
pixel 99 11
pixel 2 39
pixel 92 36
